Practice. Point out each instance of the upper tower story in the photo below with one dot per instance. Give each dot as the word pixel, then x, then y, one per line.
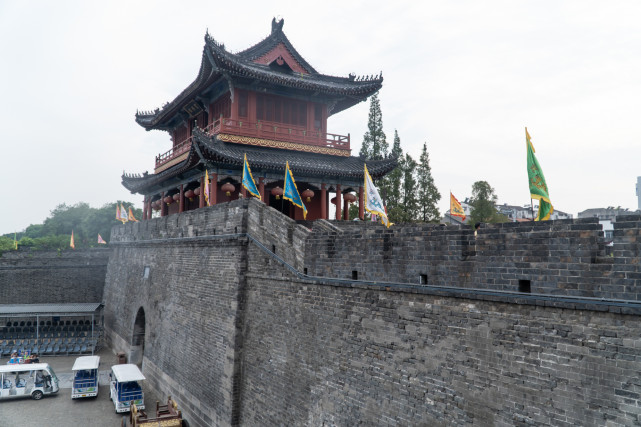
pixel 268 91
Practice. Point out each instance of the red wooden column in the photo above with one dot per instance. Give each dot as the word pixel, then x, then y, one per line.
pixel 234 106
pixel 213 189
pixel 361 203
pixel 338 201
pixel 144 208
pixel 323 202
pixel 251 106
pixel 163 205
pixel 310 118
pixel 346 210
pixel 150 210
pixel 261 189
pixel 201 196
pixel 181 204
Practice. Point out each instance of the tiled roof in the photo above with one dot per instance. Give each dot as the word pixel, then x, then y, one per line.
pixel 218 63
pixel 30 309
pixel 305 166
pixel 270 42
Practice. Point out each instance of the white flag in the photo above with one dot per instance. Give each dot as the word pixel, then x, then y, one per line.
pixel 373 201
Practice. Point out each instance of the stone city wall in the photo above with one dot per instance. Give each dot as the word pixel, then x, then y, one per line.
pixel 240 335
pixel 52 277
pixel 566 257
pixel 323 354
pixel 185 272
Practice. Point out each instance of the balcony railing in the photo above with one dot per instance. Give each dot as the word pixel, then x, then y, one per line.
pixel 262 130
pixel 176 151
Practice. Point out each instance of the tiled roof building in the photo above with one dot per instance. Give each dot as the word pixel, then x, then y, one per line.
pixel 269 104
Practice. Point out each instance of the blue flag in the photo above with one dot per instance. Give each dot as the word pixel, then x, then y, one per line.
pixel 291 192
pixel 248 180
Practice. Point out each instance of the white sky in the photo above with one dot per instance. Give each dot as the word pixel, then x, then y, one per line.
pixel 464 76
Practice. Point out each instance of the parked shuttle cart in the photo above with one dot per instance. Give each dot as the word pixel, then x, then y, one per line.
pixel 29 379
pixel 125 388
pixel 85 377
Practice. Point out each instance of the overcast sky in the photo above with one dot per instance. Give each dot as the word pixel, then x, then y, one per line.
pixel 465 77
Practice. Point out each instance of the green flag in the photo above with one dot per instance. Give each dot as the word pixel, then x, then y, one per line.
pixel 538 187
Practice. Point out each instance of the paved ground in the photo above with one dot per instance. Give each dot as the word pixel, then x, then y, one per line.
pixel 59 409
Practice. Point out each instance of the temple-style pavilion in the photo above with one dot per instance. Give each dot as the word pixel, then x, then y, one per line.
pixel 269 104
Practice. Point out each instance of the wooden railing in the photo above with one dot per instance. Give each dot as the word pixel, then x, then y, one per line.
pixel 262 130
pixel 176 151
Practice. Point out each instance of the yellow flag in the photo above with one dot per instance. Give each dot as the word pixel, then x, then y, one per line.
pixel 71 243
pixel 206 188
pixel 455 207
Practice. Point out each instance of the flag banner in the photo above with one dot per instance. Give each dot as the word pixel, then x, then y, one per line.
pixel 15 241
pixel 206 188
pixel 72 245
pixel 455 207
pixel 118 212
pixel 538 187
pixel 291 192
pixel 248 180
pixel 373 201
pixel 131 216
pixel 101 240
pixel 123 214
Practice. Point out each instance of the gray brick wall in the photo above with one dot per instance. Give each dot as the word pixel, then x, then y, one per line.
pixel 334 355
pixel 190 298
pixel 283 348
pixel 566 257
pixel 36 277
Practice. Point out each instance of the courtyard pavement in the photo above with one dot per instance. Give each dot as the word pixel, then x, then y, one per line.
pixel 59 410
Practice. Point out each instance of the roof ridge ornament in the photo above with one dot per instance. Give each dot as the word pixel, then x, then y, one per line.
pixel 277 26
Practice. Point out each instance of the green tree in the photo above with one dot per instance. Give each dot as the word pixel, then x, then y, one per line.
pixel 374 141
pixel 64 219
pixel 34 231
pixel 101 221
pixel 428 194
pixel 407 211
pixel 85 221
pixel 6 243
pixel 483 204
pixel 52 242
pixel 394 182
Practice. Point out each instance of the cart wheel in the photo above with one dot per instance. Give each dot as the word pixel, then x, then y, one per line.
pixel 123 423
pixel 36 395
pixel 185 423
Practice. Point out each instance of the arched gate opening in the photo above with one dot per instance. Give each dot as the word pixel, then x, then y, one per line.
pixel 138 338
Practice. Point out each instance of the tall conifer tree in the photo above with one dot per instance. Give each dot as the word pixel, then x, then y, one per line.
pixel 409 208
pixel 428 194
pixel 374 142
pixel 394 182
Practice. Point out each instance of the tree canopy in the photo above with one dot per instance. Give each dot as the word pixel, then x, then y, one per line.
pixel 374 141
pixel 428 194
pixel 483 203
pixel 55 232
